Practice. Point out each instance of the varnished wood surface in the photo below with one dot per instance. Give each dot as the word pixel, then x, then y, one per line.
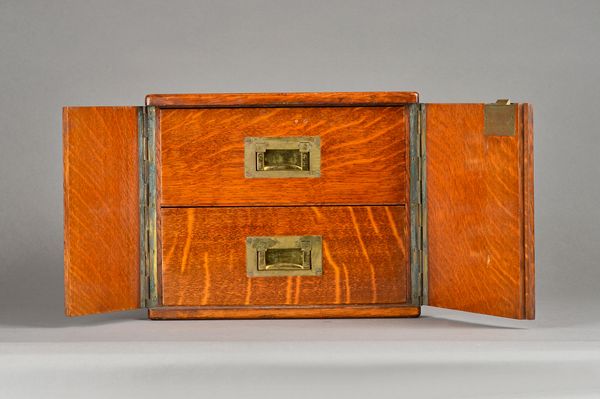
pixel 283 312
pixel 476 197
pixel 364 256
pixel 281 99
pixel 363 156
pixel 158 213
pixel 528 211
pixel 101 249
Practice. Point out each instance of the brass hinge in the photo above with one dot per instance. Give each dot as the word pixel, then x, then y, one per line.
pixel 147 193
pixel 418 204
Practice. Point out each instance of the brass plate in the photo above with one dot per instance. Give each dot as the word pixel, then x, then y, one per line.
pixel 277 157
pixel 499 118
pixel 273 256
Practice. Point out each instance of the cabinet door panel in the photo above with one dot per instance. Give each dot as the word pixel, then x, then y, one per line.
pixel 101 209
pixel 480 212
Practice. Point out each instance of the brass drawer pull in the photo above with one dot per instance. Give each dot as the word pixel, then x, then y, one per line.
pixel 284 256
pixel 282 157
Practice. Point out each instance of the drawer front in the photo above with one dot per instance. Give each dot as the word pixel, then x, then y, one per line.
pixel 362 153
pixel 364 256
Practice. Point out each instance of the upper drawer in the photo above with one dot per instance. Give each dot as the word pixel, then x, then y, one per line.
pixel 363 154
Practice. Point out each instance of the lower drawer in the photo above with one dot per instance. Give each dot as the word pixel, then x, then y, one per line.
pixel 364 256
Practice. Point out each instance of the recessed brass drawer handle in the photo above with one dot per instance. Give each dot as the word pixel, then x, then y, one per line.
pixel 282 157
pixel 284 256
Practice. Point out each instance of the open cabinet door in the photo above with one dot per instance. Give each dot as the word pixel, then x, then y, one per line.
pixel 479 193
pixel 101 209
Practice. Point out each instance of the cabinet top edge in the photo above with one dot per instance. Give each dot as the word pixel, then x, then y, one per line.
pixel 282 99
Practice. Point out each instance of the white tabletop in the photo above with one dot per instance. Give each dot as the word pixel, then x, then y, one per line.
pixel 444 353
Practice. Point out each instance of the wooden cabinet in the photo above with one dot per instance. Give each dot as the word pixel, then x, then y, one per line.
pixel 298 205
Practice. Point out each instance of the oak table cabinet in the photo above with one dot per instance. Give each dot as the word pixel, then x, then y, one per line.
pixel 299 205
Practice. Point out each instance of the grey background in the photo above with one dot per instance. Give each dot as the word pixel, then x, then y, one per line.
pixel 56 53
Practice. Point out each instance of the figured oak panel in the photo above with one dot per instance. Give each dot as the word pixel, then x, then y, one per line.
pixel 364 256
pixel 476 194
pixel 281 99
pixel 363 156
pixel 101 209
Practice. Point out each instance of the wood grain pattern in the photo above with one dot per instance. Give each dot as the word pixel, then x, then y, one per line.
pixel 363 156
pixel 283 312
pixel 281 99
pixel 364 256
pixel 528 211
pixel 101 209
pixel 158 182
pixel 475 194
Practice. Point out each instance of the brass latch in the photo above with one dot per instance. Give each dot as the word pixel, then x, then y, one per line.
pixel 499 118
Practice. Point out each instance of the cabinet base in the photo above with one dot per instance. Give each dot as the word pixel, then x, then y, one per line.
pixel 283 312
